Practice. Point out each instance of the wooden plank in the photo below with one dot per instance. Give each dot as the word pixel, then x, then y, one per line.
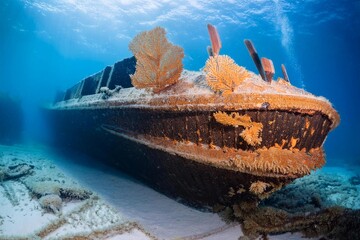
pixel 215 39
pixel 268 68
pixel 210 51
pixel 283 69
pixel 104 78
pixel 254 55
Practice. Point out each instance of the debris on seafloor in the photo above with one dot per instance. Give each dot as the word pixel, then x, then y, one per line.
pixel 319 205
pixel 355 180
pixel 14 171
pixel 46 183
pixel 332 223
pixel 38 201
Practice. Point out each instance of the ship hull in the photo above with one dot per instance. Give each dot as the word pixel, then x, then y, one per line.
pixel 157 147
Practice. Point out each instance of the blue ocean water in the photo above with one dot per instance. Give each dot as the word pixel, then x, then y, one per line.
pixel 46 45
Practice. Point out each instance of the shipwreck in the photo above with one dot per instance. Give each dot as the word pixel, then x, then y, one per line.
pixel 216 136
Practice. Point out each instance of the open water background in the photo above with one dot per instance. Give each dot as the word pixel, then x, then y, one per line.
pixel 49 45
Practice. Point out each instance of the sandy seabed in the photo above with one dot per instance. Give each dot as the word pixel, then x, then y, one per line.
pixel 48 195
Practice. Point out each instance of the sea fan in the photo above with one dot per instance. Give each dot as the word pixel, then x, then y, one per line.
pixel 223 74
pixel 159 63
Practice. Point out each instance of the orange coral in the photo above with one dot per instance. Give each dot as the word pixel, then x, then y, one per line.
pixel 252 131
pixel 223 74
pixel 159 63
pixel 258 187
pixel 283 81
pixel 272 161
pixel 233 119
pixel 251 134
pixel 293 142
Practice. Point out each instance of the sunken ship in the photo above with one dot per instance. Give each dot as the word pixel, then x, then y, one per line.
pixel 216 136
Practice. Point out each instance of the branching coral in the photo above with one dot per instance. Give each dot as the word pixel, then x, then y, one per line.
pixel 223 74
pixel 251 134
pixel 158 62
pixel 263 190
pixel 252 131
pixel 258 187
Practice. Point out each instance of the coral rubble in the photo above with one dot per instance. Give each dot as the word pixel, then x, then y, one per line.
pixel 51 202
pixel 333 222
pixel 46 183
pixel 307 205
pixel 52 187
pixel 15 171
pixel 355 180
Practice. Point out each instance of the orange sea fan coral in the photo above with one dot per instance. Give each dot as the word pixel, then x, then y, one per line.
pixel 159 63
pixel 223 74
pixel 252 131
